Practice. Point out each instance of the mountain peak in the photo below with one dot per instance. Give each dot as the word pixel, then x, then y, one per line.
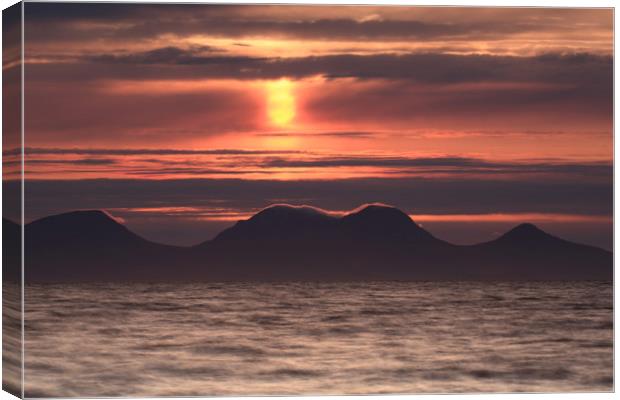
pixel 526 233
pixel 279 211
pixel 379 209
pixel 379 214
pixel 282 221
pixel 91 214
pixel 383 220
pixel 82 217
pixel 526 229
pixel 79 225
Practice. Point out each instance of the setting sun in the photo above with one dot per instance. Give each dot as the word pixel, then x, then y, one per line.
pixel 281 102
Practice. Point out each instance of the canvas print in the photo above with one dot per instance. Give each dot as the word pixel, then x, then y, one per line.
pixel 228 199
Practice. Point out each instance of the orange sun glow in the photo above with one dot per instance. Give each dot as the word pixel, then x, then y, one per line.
pixel 280 102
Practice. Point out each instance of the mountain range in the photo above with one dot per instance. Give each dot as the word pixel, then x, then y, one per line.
pixel 301 243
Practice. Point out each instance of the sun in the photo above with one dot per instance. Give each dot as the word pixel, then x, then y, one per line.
pixel 280 102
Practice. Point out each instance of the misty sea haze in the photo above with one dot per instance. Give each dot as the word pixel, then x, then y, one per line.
pixel 317 338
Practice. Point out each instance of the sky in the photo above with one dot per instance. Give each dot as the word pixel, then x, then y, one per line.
pixel 181 119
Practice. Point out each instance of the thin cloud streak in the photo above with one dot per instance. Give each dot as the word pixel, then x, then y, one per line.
pixel 212 213
pixel 295 165
pixel 137 152
pixel 515 218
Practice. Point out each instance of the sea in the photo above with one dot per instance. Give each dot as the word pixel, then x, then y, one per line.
pixel 229 339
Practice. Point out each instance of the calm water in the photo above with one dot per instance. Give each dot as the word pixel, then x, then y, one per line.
pixel 310 338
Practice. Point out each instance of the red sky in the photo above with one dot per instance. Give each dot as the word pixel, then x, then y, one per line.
pixel 406 105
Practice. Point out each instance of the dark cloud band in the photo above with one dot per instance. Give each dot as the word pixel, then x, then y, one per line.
pixel 575 69
pixel 415 195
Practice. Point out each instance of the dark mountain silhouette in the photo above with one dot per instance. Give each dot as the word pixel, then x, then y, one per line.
pixel 283 242
pixel 527 245
pixel 292 243
pixel 380 222
pixel 527 234
pixel 285 222
pixel 76 228
pixel 90 245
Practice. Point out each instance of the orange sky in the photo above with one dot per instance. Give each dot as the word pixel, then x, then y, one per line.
pixel 321 93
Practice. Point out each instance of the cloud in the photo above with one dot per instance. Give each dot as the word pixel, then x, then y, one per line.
pixel 195 55
pixel 576 69
pixel 120 163
pixel 140 152
pixel 585 103
pixel 83 161
pixel 341 134
pixel 167 172
pixel 325 23
pixel 461 164
pixel 378 161
pixel 240 161
pixel 414 195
